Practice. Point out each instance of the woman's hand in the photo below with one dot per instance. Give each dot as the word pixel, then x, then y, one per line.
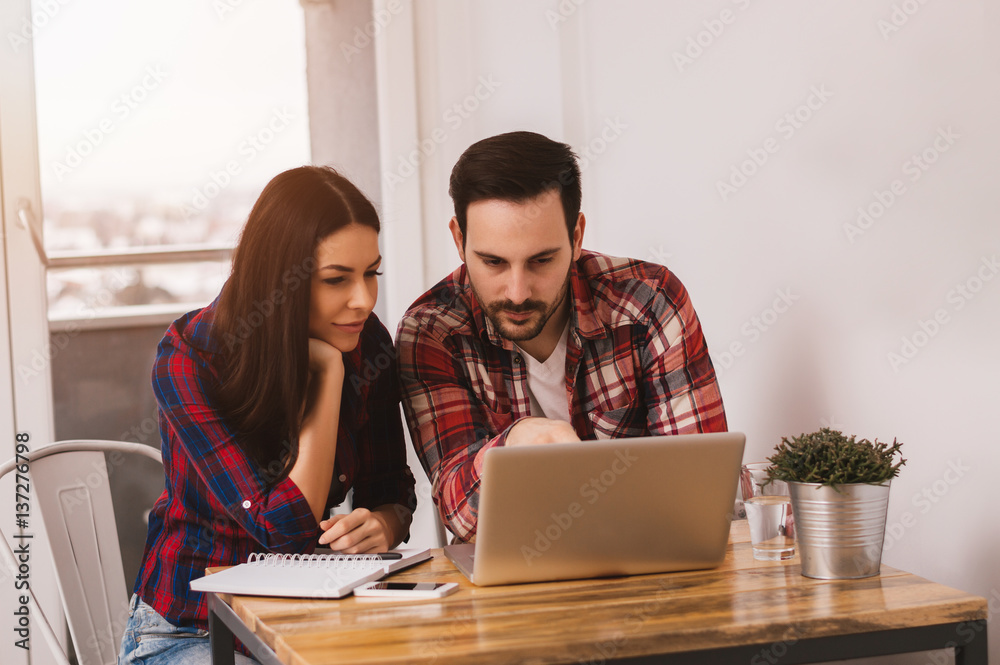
pixel 364 530
pixel 325 358
pixel 326 378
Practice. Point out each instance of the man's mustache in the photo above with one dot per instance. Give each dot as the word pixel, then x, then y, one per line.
pixel 508 306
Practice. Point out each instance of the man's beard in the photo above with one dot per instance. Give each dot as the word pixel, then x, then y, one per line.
pixel 532 327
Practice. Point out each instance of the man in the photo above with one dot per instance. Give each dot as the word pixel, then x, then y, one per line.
pixel 533 340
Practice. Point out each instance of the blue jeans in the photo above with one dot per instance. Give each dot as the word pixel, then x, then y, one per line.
pixel 150 639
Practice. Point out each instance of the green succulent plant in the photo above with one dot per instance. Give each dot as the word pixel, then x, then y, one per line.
pixel 829 457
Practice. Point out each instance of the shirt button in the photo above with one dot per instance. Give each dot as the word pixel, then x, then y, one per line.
pixel 343 478
pixel 517 360
pixel 246 504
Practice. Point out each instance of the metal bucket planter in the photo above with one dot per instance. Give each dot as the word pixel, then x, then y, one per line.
pixel 839 531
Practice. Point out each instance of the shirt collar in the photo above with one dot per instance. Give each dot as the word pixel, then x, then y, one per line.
pixel 584 316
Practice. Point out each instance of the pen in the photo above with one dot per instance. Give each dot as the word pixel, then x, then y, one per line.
pixel 385 556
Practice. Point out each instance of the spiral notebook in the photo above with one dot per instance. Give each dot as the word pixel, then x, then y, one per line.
pixel 305 575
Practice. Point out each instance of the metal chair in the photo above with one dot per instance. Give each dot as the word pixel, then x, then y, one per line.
pixel 69 487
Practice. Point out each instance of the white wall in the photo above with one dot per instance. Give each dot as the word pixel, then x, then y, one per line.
pixel 673 130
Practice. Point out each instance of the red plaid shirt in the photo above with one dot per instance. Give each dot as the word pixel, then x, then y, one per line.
pixel 217 507
pixel 636 364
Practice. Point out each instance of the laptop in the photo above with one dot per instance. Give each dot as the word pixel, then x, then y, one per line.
pixel 603 508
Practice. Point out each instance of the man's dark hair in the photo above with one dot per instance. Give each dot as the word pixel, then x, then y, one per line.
pixel 516 167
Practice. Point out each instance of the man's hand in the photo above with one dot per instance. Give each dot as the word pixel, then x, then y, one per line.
pixel 363 531
pixel 531 431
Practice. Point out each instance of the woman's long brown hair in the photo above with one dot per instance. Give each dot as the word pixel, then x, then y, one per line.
pixel 261 325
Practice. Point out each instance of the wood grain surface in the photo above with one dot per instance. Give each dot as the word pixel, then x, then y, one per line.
pixel 741 602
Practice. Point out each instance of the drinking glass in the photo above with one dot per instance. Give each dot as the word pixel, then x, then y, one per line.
pixel 769 513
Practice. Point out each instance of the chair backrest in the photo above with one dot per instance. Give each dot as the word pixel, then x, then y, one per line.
pixel 69 483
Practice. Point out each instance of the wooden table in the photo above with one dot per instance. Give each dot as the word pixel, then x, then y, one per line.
pixel 745 611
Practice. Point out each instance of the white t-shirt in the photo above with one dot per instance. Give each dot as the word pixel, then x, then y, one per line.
pixel 547 381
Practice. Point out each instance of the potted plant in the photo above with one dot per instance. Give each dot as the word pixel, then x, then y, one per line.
pixel 840 494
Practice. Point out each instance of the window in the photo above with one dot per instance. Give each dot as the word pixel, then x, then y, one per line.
pixel 158 125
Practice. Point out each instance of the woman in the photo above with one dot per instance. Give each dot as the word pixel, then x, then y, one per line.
pixel 269 411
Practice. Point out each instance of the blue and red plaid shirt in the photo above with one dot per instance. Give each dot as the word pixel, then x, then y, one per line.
pixel 636 364
pixel 217 508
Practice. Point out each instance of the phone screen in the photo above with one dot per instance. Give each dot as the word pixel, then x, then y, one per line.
pixel 407 586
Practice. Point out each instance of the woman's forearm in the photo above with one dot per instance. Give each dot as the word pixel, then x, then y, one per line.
pixel 313 470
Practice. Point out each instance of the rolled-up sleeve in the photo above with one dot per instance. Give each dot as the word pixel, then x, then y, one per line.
pixel 451 432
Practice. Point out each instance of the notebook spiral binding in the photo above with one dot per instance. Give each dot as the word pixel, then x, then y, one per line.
pixel 271 559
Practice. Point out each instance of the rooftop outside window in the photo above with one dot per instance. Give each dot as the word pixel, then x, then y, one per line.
pixel 158 125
